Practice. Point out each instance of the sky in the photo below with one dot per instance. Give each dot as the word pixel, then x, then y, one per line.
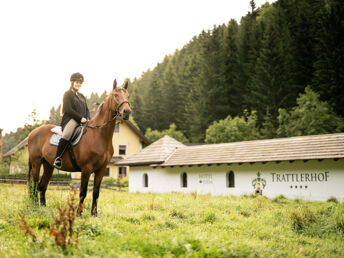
pixel 42 42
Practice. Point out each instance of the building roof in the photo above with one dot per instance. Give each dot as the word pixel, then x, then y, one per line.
pixel 156 153
pixel 19 146
pixel 326 146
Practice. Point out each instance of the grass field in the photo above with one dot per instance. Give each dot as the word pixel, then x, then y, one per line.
pixel 187 225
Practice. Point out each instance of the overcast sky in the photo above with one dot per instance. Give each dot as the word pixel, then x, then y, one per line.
pixel 44 41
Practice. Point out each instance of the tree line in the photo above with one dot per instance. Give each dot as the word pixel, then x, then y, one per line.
pixel 12 139
pixel 277 73
pixel 258 67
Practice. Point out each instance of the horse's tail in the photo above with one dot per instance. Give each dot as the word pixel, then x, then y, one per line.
pixel 30 170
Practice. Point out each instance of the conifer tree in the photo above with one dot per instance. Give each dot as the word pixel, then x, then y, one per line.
pixel 328 77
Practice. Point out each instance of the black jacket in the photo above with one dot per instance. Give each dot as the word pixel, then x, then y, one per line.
pixel 74 106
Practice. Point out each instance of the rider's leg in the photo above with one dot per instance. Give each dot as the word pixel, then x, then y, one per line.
pixel 64 142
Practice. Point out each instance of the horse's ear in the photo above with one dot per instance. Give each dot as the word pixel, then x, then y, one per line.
pixel 125 86
pixel 115 84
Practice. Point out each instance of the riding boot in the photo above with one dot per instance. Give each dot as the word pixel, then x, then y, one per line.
pixel 63 144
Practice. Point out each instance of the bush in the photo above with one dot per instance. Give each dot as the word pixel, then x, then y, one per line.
pixel 301 218
pixel 320 222
pixel 62 229
pixel 340 217
pixel 124 181
pixel 233 129
pixel 280 199
pixel 4 167
pixel 172 131
pixel 332 199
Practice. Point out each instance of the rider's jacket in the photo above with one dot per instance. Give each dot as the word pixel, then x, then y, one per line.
pixel 74 106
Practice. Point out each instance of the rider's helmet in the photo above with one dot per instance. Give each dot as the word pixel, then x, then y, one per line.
pixel 77 77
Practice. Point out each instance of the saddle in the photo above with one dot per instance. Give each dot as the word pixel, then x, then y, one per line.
pixel 76 136
pixel 75 139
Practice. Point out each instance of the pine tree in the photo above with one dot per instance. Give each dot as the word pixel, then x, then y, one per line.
pixel 271 85
pixel 328 77
pixel 233 91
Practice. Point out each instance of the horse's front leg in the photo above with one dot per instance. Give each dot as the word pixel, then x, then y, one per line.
pixel 85 177
pixel 96 188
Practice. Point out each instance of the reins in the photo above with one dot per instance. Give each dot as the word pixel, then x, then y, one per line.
pixel 104 124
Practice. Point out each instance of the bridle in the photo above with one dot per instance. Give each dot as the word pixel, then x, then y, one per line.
pixel 117 113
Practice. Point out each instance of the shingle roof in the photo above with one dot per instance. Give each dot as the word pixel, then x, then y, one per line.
pixel 156 153
pixel 19 146
pixel 326 146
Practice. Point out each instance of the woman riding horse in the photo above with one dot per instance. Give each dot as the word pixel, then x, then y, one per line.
pixel 93 152
pixel 75 111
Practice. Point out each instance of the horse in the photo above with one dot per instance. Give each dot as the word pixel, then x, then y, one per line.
pixel 92 153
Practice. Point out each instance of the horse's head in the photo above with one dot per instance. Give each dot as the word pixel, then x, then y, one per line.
pixel 120 100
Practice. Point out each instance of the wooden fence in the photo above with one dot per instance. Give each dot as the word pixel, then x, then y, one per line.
pixel 64 183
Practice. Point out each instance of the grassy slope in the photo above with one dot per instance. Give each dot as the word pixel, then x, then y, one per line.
pixel 131 225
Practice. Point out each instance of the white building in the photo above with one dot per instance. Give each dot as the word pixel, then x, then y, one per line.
pixel 307 167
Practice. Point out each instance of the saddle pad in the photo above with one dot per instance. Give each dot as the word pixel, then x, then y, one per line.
pixel 57 134
pixel 57 130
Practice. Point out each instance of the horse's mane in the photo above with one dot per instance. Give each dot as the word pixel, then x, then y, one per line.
pixel 100 107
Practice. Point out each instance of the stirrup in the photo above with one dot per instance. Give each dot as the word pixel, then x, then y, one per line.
pixel 58 163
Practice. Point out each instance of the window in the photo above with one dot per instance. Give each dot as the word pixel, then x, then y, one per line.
pixel 117 128
pixel 122 149
pixel 184 180
pixel 145 180
pixel 107 172
pixel 122 172
pixel 230 179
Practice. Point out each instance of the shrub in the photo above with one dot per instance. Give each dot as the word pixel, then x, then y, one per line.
pixel 332 199
pixel 320 222
pixel 301 218
pixel 4 167
pixel 280 199
pixel 124 181
pixel 62 228
pixel 340 217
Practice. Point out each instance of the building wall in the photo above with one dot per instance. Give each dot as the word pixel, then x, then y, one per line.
pixel 19 161
pixel 128 137
pixel 312 180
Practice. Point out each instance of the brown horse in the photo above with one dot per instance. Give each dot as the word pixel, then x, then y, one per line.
pixel 92 153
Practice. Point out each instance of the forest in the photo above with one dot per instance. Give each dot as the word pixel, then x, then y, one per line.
pixel 260 67
pixel 277 73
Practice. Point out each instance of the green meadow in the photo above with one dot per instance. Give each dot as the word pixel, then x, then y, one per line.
pixel 173 225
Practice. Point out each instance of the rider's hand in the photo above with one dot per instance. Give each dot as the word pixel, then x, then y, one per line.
pixel 83 120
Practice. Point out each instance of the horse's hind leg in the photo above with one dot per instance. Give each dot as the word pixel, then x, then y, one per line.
pixel 34 168
pixel 43 184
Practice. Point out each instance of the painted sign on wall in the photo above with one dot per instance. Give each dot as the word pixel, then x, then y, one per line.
pixel 300 177
pixel 205 178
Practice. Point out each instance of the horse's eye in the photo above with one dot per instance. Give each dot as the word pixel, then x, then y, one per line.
pixel 116 95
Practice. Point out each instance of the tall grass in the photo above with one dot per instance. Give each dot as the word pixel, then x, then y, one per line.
pixel 187 225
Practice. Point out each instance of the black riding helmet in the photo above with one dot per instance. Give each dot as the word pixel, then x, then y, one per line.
pixel 77 77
